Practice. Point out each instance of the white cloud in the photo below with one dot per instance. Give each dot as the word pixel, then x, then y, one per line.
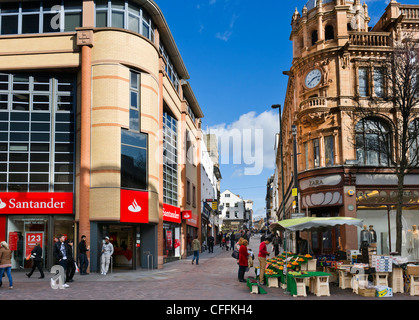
pixel 248 142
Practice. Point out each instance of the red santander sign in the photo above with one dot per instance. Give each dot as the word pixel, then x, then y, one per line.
pixel 134 206
pixel 171 213
pixel 36 203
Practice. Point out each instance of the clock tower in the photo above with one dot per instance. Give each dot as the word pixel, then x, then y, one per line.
pixel 337 65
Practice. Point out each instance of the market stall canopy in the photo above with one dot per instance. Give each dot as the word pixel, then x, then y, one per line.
pixel 313 223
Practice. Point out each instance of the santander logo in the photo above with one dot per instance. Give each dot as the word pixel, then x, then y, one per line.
pixel 134 207
pixel 2 204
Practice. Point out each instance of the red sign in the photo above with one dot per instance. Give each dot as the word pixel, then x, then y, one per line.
pixel 31 238
pixel 36 202
pixel 13 238
pixel 186 214
pixel 193 220
pixel 171 213
pixel 134 206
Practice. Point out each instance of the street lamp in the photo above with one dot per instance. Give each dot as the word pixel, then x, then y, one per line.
pixel 278 106
pixel 294 133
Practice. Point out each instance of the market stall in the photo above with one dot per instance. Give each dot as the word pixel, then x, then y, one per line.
pixel 363 271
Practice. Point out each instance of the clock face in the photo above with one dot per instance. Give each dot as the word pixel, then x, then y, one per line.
pixel 313 78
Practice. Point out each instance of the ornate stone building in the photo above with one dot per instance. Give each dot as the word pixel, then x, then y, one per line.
pixel 336 55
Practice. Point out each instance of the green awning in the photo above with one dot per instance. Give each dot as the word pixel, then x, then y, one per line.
pixel 314 223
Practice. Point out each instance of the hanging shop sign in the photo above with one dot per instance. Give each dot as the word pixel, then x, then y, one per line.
pixel 186 214
pixel 134 206
pixel 171 213
pixel 193 220
pixel 36 203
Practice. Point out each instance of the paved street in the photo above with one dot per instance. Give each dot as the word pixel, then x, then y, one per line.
pixel 215 278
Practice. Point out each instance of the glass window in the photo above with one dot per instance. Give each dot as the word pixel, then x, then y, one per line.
pixel 133 160
pixel 379 82
pixel 170 172
pixel 363 82
pixel 306 155
pixel 101 19
pixel 30 23
pixel 32 127
pixel 329 151
pixel 72 21
pixel 9 24
pixel 134 114
pixel 373 144
pixel 316 153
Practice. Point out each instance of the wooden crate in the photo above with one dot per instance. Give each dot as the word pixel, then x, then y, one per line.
pixel 272 282
pixel 413 270
pixel 366 292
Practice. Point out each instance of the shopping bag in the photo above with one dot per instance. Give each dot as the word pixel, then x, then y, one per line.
pixel 28 257
pixel 77 268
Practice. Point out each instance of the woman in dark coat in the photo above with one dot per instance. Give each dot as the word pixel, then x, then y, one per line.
pixel 243 260
pixel 36 253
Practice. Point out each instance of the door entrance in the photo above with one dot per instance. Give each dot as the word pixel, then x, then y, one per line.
pixel 123 239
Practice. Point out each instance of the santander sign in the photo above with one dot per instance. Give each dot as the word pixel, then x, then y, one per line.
pixel 36 203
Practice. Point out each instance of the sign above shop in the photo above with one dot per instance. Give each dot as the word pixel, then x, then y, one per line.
pixel 134 206
pixel 36 203
pixel 186 214
pixel 171 213
pixel 320 181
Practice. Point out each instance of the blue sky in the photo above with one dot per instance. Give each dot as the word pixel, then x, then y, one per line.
pixel 235 52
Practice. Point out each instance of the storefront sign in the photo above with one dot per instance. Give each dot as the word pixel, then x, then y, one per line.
pixel 193 221
pixel 134 206
pixel 31 239
pixel 171 213
pixel 320 181
pixel 186 214
pixel 36 203
pixel 13 238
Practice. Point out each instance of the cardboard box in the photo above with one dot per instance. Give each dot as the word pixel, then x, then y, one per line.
pixel 413 270
pixel 384 292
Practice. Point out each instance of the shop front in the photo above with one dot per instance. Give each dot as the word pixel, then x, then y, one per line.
pixel 35 217
pixel 171 233
pixel 192 229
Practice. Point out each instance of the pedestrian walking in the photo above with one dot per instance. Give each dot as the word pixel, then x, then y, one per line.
pixel 211 244
pixel 227 242
pixel 105 259
pixel 232 240
pixel 6 263
pixel 276 243
pixel 71 263
pixel 60 253
pixel 196 245
pixel 243 261
pixel 83 261
pixel 36 253
pixel 263 253
pixel 220 239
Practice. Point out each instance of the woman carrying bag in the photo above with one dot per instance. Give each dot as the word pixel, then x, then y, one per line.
pixel 243 261
pixel 6 263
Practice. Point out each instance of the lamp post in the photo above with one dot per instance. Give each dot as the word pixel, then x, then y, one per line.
pixel 278 106
pixel 294 133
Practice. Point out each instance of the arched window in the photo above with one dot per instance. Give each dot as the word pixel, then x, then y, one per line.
pixel 314 37
pixel 329 33
pixel 373 142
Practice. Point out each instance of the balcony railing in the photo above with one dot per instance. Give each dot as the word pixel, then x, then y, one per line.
pixel 370 39
pixel 313 103
pixel 410 12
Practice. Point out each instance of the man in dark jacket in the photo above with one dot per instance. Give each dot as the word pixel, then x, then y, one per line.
pixel 84 262
pixel 60 253
pixel 71 267
pixel 211 244
pixel 36 253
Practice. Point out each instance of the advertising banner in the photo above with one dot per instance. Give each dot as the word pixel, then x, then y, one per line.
pixel 31 238
pixel 134 206
pixel 171 213
pixel 13 238
pixel 36 203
